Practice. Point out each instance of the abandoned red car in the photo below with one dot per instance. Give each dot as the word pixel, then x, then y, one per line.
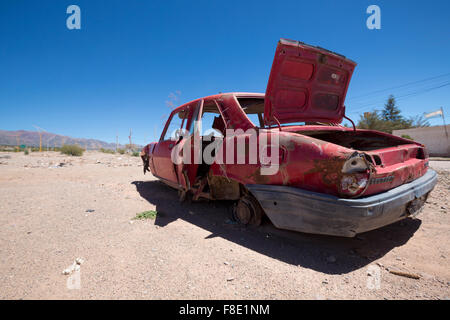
pixel 285 155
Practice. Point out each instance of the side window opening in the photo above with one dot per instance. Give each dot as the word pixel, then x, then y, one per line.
pixel 212 121
pixel 176 121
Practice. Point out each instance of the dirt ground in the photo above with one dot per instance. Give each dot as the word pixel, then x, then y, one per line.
pixel 51 214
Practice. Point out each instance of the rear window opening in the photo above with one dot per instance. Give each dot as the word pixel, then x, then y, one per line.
pixel 254 109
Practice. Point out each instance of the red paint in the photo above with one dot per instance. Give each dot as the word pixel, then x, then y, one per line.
pixel 306 84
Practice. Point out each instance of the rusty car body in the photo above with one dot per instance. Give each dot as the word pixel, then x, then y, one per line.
pixel 331 179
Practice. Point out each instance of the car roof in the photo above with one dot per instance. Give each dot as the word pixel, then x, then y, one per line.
pixel 219 95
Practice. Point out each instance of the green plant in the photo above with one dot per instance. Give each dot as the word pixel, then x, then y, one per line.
pixel 150 214
pixel 135 154
pixel 107 150
pixel 121 151
pixel 26 152
pixel 72 150
pixel 407 137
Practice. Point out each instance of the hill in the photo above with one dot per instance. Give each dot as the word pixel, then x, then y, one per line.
pixel 31 139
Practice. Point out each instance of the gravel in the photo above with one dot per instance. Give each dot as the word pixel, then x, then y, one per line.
pixel 190 250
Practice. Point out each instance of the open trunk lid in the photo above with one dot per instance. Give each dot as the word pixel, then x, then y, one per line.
pixel 306 84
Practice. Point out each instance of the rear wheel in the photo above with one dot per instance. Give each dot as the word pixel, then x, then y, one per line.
pixel 248 211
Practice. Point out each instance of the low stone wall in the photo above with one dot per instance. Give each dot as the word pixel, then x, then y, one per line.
pixel 434 138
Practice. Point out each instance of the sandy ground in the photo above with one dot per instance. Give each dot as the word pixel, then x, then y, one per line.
pixel 50 215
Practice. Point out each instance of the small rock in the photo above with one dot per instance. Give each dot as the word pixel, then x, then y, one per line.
pixel 79 261
pixel 71 269
pixel 90 210
pixel 230 279
pixel 226 263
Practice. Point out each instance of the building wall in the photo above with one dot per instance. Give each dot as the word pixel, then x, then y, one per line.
pixel 434 138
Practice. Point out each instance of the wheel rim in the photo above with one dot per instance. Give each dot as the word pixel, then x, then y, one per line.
pixel 243 211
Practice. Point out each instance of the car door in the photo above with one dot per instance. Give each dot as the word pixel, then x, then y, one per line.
pixel 186 170
pixel 162 161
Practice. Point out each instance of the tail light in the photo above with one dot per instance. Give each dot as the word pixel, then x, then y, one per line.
pixel 355 175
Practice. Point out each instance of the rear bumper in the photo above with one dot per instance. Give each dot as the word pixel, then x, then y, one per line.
pixel 311 212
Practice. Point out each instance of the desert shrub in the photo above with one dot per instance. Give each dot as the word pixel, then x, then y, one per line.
pixel 72 150
pixel 107 150
pixel 150 214
pixel 26 152
pixel 135 154
pixel 121 151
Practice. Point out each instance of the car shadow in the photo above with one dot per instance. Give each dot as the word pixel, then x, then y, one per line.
pixel 327 254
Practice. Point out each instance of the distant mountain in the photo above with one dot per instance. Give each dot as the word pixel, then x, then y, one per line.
pixel 31 139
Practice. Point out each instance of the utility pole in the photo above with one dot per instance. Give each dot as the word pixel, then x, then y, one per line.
pixel 443 120
pixel 117 141
pixel 40 141
pixel 18 141
pixel 131 144
pixel 40 136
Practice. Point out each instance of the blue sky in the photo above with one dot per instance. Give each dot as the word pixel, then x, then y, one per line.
pixel 119 70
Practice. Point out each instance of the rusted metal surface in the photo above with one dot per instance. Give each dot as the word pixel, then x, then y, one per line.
pixel 306 83
pixel 312 212
pixel 315 157
pixel 247 210
pixel 223 188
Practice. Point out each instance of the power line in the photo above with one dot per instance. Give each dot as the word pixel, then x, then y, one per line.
pixel 399 86
pixel 398 92
pixel 405 96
